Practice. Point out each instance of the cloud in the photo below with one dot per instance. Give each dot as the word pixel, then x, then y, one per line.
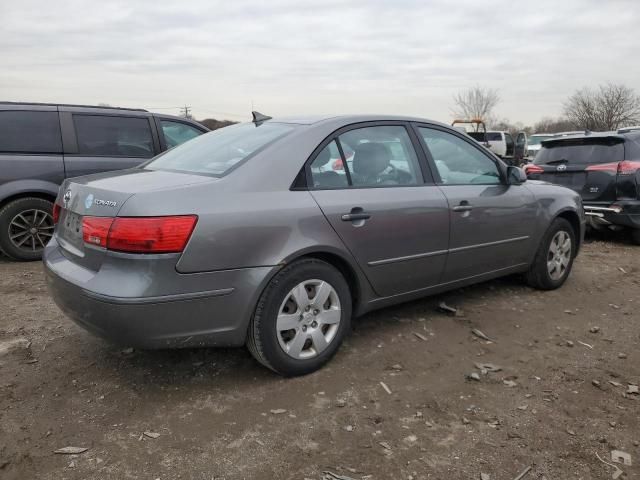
pixel 288 57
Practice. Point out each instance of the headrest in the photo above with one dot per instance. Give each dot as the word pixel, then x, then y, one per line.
pixel 371 158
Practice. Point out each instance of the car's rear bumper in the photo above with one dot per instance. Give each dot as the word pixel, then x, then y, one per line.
pixel 203 309
pixel 623 213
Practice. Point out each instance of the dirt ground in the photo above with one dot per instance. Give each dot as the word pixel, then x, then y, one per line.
pixel 219 415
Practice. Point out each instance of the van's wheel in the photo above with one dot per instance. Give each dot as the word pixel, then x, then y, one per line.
pixel 26 225
pixel 554 258
pixel 301 318
pixel 635 236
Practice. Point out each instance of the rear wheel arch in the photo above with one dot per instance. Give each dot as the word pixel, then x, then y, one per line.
pixel 345 268
pixel 29 194
pixel 574 220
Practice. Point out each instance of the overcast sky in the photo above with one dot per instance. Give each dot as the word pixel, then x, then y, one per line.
pixel 298 57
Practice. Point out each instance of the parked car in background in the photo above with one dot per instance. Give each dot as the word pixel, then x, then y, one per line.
pixel 248 235
pixel 533 144
pixel 42 144
pixel 502 144
pixel 604 167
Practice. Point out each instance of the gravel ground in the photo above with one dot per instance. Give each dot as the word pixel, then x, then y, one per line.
pixel 567 360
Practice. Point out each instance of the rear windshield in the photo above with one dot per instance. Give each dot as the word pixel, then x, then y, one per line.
pixel 488 137
pixel 216 153
pixel 581 151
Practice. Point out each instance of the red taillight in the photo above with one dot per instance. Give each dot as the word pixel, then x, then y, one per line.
pixel 151 234
pixel 338 165
pixel 95 230
pixel 56 213
pixel 531 168
pixel 628 167
pixel 603 167
pixel 139 234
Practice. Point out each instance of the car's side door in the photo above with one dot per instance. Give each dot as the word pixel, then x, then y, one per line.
pixel 371 187
pixel 492 222
pixel 99 142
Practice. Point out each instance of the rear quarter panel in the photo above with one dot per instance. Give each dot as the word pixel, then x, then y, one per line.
pixel 241 229
pixel 30 174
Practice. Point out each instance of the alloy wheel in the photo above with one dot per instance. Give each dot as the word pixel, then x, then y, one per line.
pixel 559 255
pixel 308 319
pixel 30 230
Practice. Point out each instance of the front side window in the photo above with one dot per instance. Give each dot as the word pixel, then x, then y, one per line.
pixel 458 162
pixel 216 153
pixel 176 133
pixel 379 156
pixel 113 136
pixel 30 132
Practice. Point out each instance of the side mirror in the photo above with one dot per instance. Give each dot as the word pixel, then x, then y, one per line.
pixel 516 176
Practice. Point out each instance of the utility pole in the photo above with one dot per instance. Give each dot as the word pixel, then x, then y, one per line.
pixel 186 111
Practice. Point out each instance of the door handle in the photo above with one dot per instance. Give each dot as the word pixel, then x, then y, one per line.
pixel 353 217
pixel 463 207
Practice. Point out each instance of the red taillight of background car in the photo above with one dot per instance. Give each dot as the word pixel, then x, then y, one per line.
pixel 628 167
pixel 531 168
pixel 151 234
pixel 56 213
pixel 95 230
pixel 603 167
pixel 139 234
pixel 337 164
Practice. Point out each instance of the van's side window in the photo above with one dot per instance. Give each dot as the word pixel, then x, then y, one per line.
pixel 176 133
pixel 113 136
pixel 30 132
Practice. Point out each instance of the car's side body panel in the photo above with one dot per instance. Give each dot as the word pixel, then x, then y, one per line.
pixel 498 231
pixel 403 245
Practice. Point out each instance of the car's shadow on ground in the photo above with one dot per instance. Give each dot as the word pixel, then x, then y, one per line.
pixel 235 366
pixel 622 237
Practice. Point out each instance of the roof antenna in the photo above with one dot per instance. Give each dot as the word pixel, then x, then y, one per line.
pixel 258 117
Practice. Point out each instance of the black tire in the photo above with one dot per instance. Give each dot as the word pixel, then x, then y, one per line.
pixel 635 236
pixel 30 251
pixel 262 336
pixel 538 275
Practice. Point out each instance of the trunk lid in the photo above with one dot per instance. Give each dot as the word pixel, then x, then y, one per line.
pixel 103 195
pixel 586 164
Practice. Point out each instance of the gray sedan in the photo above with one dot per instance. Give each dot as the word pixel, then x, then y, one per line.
pixel 274 233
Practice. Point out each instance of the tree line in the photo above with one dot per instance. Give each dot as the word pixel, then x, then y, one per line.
pixel 608 107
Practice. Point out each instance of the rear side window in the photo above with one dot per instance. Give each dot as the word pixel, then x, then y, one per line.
pixel 584 151
pixel 176 133
pixel 30 132
pixel 380 156
pixel 327 169
pixel 113 136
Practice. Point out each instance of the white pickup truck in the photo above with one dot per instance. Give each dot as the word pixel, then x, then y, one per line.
pixel 501 143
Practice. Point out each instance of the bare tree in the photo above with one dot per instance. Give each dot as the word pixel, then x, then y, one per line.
pixel 609 107
pixel 553 125
pixel 506 125
pixel 213 124
pixel 475 102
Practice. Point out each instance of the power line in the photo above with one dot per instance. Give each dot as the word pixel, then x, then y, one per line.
pixel 185 111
